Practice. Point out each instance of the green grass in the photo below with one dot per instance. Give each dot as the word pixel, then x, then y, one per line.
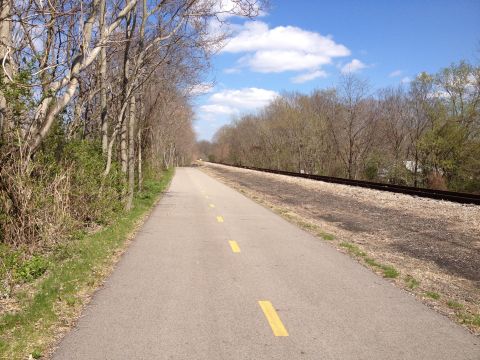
pixel 411 282
pixel 372 262
pixel 432 295
pixel 76 267
pixel 352 249
pixel 326 236
pixel 469 319
pixel 388 270
pixel 306 225
pixel 452 304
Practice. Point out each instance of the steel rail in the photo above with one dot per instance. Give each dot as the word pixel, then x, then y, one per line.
pixel 458 197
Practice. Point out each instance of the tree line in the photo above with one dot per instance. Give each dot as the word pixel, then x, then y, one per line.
pixel 424 134
pixel 94 101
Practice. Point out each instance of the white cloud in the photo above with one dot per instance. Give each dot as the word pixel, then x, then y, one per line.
pixel 283 48
pixel 353 66
pixel 405 80
pixel 246 99
pixel 395 73
pixel 220 14
pixel 275 61
pixel 234 102
pixel 308 76
pixel 222 105
pixel 217 109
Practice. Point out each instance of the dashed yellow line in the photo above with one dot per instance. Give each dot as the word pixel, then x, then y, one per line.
pixel 273 318
pixel 220 219
pixel 211 205
pixel 234 246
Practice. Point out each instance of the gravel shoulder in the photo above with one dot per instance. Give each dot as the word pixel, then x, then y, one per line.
pixel 434 245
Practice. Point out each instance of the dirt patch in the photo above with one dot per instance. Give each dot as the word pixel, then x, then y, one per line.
pixel 437 243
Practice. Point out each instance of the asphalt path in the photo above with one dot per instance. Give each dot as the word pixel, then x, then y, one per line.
pixel 213 275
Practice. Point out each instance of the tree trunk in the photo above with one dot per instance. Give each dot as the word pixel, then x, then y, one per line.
pixel 140 170
pixel 118 127
pixel 123 145
pixel 103 81
pixel 126 73
pixel 140 117
pixel 131 154
pixel 5 33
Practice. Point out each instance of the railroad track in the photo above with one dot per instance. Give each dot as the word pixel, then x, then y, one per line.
pixel 458 197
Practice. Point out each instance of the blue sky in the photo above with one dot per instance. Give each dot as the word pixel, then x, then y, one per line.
pixel 302 45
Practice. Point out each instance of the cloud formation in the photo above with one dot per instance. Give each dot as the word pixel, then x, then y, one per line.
pixel 243 99
pixel 234 102
pixel 308 76
pixel 353 66
pixel 283 48
pixel 217 109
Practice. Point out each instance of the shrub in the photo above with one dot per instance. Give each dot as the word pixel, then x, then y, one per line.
pixel 33 268
pixel 61 190
pixel 93 198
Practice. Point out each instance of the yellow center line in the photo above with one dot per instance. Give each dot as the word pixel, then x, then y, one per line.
pixel 211 205
pixel 273 318
pixel 220 219
pixel 234 246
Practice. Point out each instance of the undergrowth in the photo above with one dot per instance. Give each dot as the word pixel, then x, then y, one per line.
pixel 63 276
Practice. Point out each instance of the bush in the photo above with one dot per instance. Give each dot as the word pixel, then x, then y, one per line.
pixel 34 204
pixel 16 267
pixel 94 198
pixel 9 260
pixel 32 269
pixel 58 192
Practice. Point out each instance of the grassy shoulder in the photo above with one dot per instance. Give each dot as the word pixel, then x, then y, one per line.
pixel 73 271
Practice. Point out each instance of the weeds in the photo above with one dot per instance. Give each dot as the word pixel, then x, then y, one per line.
pixel 33 268
pixel 352 249
pixel 58 192
pixel 74 267
pixel 468 319
pixel 388 270
pixel 452 304
pixel 411 282
pixel 17 268
pixel 432 295
pixel 326 236
pixel 372 262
